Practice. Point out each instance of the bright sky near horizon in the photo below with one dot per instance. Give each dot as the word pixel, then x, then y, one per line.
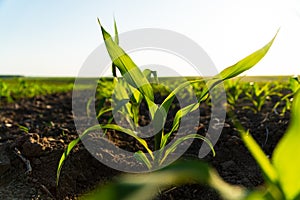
pixel 54 37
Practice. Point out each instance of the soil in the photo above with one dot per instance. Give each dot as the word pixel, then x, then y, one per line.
pixel 50 127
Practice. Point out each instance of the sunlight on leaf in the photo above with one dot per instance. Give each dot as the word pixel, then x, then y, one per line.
pixel 127 67
pixel 70 146
pixel 247 62
pixel 232 71
pixel 131 133
pixel 286 155
pixel 260 157
pixel 64 157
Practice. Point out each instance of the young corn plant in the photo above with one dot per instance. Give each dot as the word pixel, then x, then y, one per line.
pixel 294 85
pixel 258 95
pixel 5 92
pixel 134 86
pixel 281 172
pixel 234 90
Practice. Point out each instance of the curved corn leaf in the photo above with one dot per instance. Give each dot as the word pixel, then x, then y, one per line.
pixel 70 146
pixel 126 66
pixel 240 67
pixel 103 111
pixel 131 133
pixel 114 68
pixel 136 95
pixel 64 156
pixel 286 155
pixel 181 113
pixel 88 105
pixel 247 62
pixel 161 113
pixel 232 71
pixel 141 156
pixel 294 84
pixel 121 98
pixel 147 73
pixel 146 186
pixel 173 147
pixel 260 157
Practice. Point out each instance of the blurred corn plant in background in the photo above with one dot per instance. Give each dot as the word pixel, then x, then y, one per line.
pixel 258 94
pixel 294 85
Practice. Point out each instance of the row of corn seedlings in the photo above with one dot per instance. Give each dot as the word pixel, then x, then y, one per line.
pixel 257 94
pixel 11 89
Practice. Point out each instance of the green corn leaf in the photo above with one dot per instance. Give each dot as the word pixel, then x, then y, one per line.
pixel 121 97
pixel 180 113
pixel 88 105
pixel 294 84
pixel 146 186
pixel 126 66
pixel 240 67
pixel 103 111
pixel 128 106
pixel 152 107
pixel 70 146
pixel 64 157
pixel 286 155
pixel 161 113
pixel 131 133
pixel 247 62
pixel 263 195
pixel 258 154
pixel 101 103
pixel 114 68
pixel 140 156
pixel 136 95
pixel 116 33
pixel 147 73
pixel 173 147
pixel 230 72
pixel 94 128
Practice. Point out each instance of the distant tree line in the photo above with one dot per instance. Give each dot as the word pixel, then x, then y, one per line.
pixel 10 76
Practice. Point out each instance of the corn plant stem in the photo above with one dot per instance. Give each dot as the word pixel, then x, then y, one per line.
pixel 114 70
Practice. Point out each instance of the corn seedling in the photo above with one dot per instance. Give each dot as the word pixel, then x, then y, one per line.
pixel 134 86
pixel 23 128
pixel 258 95
pixel 5 92
pixel 294 85
pixel 233 91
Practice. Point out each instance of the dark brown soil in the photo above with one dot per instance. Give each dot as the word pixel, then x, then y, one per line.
pixel 50 127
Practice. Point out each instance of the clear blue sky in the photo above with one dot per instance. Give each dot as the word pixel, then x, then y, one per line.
pixel 54 37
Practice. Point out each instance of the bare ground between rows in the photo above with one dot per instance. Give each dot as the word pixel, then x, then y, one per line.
pixel 50 125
